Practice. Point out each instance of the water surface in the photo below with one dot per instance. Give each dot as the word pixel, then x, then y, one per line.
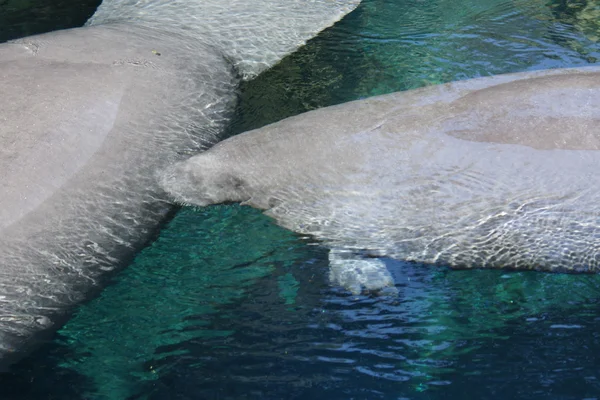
pixel 225 305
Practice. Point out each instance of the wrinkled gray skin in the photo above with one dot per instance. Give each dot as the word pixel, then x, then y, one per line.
pixel 498 172
pixel 90 115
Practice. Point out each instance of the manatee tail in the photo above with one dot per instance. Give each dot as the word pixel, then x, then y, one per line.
pixel 253 34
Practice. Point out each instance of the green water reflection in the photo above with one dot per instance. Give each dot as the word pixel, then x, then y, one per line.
pixel 202 260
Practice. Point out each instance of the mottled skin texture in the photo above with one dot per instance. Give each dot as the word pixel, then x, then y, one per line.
pixel 88 118
pixel 77 195
pixel 497 172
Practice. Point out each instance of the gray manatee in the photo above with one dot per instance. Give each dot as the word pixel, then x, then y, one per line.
pixel 88 117
pixel 496 172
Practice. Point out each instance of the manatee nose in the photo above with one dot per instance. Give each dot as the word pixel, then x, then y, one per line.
pixel 184 184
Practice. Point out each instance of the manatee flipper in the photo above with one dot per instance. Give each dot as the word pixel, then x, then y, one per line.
pixel 253 35
pixel 357 273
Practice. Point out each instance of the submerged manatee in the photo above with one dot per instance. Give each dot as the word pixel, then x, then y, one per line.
pixel 90 115
pixel 498 172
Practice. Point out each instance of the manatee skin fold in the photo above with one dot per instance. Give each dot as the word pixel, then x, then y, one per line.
pixel 496 172
pixel 91 115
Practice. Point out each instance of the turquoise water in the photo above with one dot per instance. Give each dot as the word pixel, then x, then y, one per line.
pixel 225 305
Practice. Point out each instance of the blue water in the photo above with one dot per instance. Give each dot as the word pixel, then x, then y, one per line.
pixel 226 305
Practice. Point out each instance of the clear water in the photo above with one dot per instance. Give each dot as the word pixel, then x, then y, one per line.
pixel 225 305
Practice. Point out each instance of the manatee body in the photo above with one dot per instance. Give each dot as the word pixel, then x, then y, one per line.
pixel 498 172
pixel 91 114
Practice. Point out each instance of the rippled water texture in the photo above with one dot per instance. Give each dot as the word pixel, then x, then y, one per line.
pixel 225 305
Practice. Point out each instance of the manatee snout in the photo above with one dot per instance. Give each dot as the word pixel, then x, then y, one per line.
pixel 184 185
pixel 200 181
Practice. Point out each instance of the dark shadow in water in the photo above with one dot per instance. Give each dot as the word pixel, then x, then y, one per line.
pixel 20 18
pixel 41 377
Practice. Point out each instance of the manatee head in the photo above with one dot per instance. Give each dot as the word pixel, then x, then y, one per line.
pixel 201 181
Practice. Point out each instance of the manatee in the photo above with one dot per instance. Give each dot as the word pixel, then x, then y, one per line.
pixel 495 172
pixel 91 114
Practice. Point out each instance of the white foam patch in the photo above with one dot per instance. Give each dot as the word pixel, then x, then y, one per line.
pixel 356 274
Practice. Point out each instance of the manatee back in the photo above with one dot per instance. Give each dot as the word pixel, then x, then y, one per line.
pixel 44 143
pixel 395 175
pixel 80 142
pixel 545 111
pixel 444 200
